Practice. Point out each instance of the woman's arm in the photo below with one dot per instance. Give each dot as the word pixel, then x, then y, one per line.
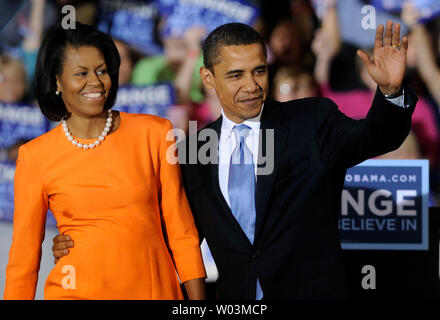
pixel 195 289
pixel 180 229
pixel 30 211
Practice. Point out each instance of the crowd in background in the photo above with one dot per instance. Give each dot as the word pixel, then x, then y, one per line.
pixel 311 53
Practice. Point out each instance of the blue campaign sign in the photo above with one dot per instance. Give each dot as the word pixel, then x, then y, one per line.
pixel 7 172
pixel 428 9
pixel 384 206
pixel 182 14
pixel 19 121
pixel 152 99
pixel 131 21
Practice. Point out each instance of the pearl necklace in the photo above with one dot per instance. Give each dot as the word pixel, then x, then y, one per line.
pixel 97 141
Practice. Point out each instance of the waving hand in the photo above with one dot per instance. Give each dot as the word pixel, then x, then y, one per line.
pixel 387 66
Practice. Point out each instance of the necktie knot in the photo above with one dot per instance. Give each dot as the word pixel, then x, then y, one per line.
pixel 241 132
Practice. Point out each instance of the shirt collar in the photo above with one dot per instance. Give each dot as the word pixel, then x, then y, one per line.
pixel 228 124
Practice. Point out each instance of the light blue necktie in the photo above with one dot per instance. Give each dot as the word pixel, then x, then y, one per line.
pixel 241 187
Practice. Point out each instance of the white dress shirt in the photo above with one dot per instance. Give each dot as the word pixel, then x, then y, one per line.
pixel 227 144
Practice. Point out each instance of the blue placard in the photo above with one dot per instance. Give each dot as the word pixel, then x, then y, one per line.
pixel 19 121
pixel 183 14
pixel 153 99
pixel 384 206
pixel 132 22
pixel 428 9
pixel 7 172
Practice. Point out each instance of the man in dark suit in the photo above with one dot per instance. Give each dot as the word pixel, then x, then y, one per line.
pixel 268 198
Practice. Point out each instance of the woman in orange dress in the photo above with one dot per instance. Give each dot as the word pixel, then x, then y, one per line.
pixel 106 178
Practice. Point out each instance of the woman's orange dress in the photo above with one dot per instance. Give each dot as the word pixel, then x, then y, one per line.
pixel 122 203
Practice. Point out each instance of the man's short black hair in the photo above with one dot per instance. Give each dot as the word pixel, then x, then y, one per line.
pixel 230 34
pixel 50 64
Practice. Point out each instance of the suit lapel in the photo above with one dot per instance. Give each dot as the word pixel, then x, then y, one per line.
pixel 214 170
pixel 218 195
pixel 265 181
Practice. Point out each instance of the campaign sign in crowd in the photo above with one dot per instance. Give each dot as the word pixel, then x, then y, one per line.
pixel 183 14
pixel 154 99
pixel 429 9
pixel 384 206
pixel 20 121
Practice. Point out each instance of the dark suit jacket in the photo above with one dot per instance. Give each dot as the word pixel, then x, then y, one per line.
pixel 296 252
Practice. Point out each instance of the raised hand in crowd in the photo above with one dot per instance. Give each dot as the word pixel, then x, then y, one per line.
pixel 193 44
pixel 425 53
pixel 32 41
pixel 180 114
pixel 326 43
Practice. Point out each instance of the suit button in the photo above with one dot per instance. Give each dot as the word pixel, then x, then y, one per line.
pixel 255 254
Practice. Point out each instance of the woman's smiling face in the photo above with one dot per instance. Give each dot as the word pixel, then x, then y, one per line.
pixel 84 83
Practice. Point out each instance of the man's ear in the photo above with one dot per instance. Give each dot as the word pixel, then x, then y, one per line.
pixel 207 78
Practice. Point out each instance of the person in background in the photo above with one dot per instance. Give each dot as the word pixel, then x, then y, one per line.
pixel 13 80
pixel 17 67
pixel 32 40
pixel 292 83
pixel 206 111
pixel 424 51
pixel 355 103
pixel 425 56
pixel 180 65
pixel 127 62
pixel 287 46
pixel 286 43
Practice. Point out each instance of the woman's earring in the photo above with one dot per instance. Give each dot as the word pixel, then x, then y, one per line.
pixel 57 93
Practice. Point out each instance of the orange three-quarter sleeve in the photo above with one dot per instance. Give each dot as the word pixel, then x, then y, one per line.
pixel 30 210
pixel 180 229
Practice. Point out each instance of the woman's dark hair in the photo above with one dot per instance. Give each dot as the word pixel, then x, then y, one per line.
pixel 230 34
pixel 50 64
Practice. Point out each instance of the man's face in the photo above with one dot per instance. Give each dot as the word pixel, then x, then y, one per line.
pixel 240 80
